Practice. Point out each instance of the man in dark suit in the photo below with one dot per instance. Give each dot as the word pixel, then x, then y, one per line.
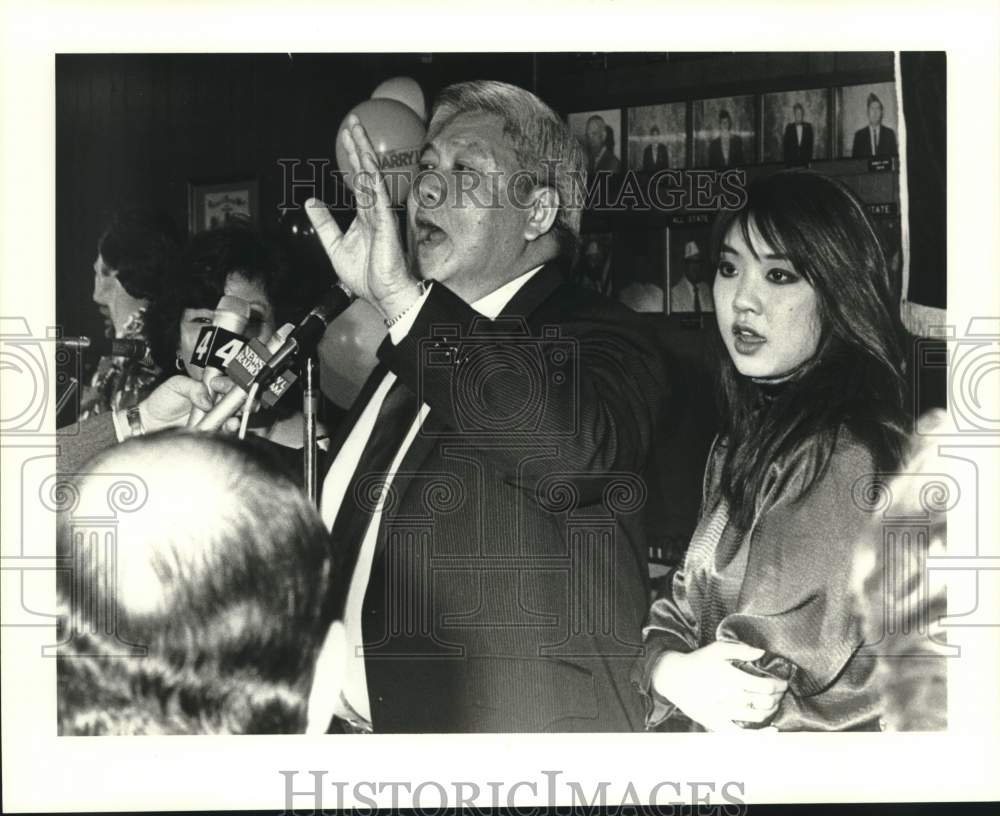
pixel 798 141
pixel 655 157
pixel 726 149
pixel 485 488
pixel 876 140
pixel 601 158
pixel 497 578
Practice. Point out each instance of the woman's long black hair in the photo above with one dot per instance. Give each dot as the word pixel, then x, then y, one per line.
pixel 855 381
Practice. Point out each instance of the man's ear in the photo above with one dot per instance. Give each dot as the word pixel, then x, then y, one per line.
pixel 542 212
pixel 328 679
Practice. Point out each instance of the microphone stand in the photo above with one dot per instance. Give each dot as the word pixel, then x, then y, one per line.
pixel 310 400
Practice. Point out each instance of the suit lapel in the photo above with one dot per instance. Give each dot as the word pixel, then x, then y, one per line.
pixel 347 424
pixel 535 292
pixel 434 433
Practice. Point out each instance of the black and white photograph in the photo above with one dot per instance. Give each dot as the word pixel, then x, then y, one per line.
pixel 220 204
pixel 657 137
pixel 640 270
pixel 594 264
pixel 690 274
pixel 599 131
pixel 725 133
pixel 796 126
pixel 354 453
pixel 868 121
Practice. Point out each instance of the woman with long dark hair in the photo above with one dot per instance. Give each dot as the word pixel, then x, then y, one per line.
pixel 757 627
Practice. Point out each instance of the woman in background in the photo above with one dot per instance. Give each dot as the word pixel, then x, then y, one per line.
pixel 232 261
pixel 135 256
pixel 757 627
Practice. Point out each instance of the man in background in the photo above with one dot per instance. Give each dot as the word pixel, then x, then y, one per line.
pixel 726 149
pixel 691 293
pixel 876 140
pixel 655 157
pixel 600 148
pixel 798 141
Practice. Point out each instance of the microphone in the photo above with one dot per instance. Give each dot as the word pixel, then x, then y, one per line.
pixel 310 331
pixel 249 364
pixel 218 344
pixel 128 348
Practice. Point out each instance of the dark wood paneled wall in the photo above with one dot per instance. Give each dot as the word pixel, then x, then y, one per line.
pixel 132 130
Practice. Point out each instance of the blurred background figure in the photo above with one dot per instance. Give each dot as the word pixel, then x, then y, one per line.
pixel 219 604
pixel 600 146
pixel 239 262
pixel 900 606
pixel 726 149
pixel 135 256
pixel 655 157
pixel 593 267
pixel 798 142
pixel 691 293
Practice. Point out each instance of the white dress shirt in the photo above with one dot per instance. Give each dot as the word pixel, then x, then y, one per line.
pixel 682 296
pixel 352 701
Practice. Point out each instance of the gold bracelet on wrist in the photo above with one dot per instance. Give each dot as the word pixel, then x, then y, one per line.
pixel 422 287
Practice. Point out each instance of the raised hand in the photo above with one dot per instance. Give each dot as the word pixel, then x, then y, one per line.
pixel 368 257
pixel 714 693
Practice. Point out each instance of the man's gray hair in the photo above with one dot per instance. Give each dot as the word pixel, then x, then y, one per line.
pixel 541 140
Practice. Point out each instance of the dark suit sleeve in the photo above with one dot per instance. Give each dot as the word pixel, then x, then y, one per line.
pixel 588 394
pixel 888 140
pixel 807 142
pixel 715 153
pixel 80 442
pixel 788 143
pixel 861 147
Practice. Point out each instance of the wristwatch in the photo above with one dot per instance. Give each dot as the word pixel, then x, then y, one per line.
pixel 134 421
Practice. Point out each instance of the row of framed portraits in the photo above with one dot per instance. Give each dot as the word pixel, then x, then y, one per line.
pixel 791 127
pixel 669 271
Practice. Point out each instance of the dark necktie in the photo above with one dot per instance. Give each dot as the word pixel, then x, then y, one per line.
pixel 395 417
pixel 697 300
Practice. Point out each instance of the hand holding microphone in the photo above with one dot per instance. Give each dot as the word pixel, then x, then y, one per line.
pixel 219 343
pixel 248 362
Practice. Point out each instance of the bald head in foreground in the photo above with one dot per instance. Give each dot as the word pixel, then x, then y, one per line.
pixel 206 610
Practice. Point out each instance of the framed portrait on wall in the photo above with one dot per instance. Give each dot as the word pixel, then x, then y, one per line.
pixel 222 203
pixel 796 126
pixel 640 269
pixel 595 262
pixel 657 137
pixel 600 133
pixel 868 117
pixel 689 277
pixel 724 131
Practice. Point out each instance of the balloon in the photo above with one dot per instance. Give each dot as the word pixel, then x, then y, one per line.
pixel 397 134
pixel 347 352
pixel 405 90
